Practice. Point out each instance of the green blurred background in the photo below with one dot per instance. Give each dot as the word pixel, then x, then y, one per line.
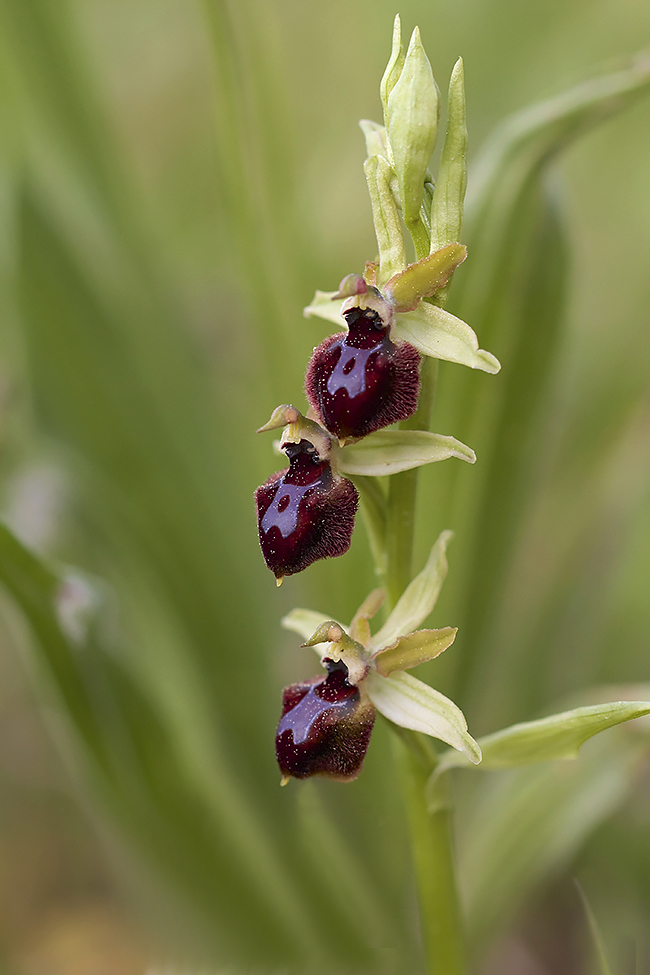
pixel 176 180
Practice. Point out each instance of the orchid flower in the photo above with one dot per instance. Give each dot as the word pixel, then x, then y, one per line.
pixel 325 726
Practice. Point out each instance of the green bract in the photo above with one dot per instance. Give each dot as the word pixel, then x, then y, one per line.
pixel 556 737
pixel 449 197
pixel 386 219
pixel 375 136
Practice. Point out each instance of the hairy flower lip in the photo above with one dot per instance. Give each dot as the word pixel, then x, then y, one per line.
pixel 324 728
pixel 305 512
pixel 360 381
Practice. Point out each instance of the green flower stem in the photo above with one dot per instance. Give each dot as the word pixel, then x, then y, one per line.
pixel 374 508
pixel 433 861
pixel 411 129
pixel 430 831
pixel 400 518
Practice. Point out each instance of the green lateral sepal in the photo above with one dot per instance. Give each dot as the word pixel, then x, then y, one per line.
pixel 392 451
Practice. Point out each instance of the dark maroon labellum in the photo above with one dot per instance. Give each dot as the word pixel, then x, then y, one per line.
pixel 305 512
pixel 361 381
pixel 324 728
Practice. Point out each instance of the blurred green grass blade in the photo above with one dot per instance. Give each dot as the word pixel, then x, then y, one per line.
pixel 56 94
pixel 522 827
pixel 149 492
pixel 35 588
pixel 374 506
pixel 503 193
pixel 150 786
pixel 50 78
pixel 150 496
pixel 532 311
pixel 205 838
pixel 344 881
pixel 601 965
pixel 256 171
pixel 518 152
pixel 143 491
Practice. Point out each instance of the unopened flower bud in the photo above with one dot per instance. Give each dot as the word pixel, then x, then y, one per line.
pixel 412 123
pixel 325 727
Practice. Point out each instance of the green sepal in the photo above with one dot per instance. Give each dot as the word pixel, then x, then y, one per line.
pixel 559 736
pixel 393 451
pixel 435 332
pixel 418 599
pixel 409 703
pixel 431 330
pixel 414 649
pixel 325 304
pixel 422 279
